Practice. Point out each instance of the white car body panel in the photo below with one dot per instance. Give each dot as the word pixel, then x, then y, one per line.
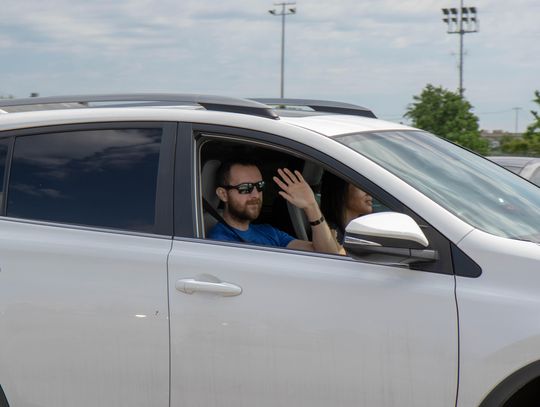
pixel 309 330
pixel 497 313
pixel 87 316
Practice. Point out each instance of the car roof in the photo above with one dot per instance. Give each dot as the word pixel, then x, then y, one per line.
pixel 335 124
pixel 324 117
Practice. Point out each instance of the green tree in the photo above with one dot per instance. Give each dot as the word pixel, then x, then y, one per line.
pixel 448 115
pixel 529 144
pixel 533 130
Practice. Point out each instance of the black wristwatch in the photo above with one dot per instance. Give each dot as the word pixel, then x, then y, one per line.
pixel 317 222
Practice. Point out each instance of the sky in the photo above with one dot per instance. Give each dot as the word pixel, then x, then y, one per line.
pixel 374 53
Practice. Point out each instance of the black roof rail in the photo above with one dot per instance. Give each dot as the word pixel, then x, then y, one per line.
pixel 319 106
pixel 209 102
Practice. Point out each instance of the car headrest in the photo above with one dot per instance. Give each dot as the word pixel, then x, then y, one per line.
pixel 312 173
pixel 209 182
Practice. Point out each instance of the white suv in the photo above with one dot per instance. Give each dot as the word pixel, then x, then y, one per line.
pixel 110 294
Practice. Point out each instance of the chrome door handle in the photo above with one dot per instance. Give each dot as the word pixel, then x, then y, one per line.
pixel 189 286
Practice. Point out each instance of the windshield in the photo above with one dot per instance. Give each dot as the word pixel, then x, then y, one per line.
pixel 474 189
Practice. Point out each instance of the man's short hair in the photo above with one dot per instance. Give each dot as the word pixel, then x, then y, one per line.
pixel 224 170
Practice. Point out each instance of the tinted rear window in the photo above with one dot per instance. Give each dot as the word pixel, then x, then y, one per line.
pixel 97 178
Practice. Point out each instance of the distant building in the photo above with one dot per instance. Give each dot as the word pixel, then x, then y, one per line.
pixel 494 136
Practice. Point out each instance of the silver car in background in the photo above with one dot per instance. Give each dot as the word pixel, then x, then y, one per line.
pixel 526 167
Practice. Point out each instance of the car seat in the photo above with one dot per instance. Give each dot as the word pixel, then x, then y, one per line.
pixel 208 187
pixel 312 173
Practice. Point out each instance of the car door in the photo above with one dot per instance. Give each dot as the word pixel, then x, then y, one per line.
pixel 264 326
pixel 83 249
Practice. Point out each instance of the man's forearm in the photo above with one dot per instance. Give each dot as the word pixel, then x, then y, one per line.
pixel 297 191
pixel 322 238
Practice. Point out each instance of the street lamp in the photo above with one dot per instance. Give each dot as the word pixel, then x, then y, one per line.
pixel 286 9
pixel 516 109
pixel 462 21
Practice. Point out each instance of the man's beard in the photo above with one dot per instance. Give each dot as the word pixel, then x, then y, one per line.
pixel 250 211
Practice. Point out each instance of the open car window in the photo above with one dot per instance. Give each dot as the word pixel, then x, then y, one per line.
pixel 275 211
pixel 274 208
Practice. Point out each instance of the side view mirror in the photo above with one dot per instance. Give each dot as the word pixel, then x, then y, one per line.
pixel 387 237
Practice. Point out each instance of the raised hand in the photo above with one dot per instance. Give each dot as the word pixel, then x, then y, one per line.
pixel 295 189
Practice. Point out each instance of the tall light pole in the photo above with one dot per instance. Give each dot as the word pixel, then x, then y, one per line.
pixel 286 9
pixel 462 21
pixel 516 109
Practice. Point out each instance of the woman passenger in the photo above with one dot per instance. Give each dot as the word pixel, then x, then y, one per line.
pixel 342 202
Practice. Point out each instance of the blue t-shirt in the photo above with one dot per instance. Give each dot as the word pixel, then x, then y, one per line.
pixel 259 234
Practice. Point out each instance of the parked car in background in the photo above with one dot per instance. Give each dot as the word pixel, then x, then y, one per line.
pixel 526 167
pixel 112 294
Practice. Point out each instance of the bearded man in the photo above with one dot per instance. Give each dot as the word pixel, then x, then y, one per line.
pixel 240 188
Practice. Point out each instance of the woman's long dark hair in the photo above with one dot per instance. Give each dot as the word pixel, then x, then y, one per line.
pixel 334 192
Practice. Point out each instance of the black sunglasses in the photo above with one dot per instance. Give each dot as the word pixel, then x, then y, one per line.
pixel 246 187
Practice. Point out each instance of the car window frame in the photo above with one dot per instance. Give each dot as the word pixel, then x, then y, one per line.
pixel 163 225
pixel 10 141
pixel 191 136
